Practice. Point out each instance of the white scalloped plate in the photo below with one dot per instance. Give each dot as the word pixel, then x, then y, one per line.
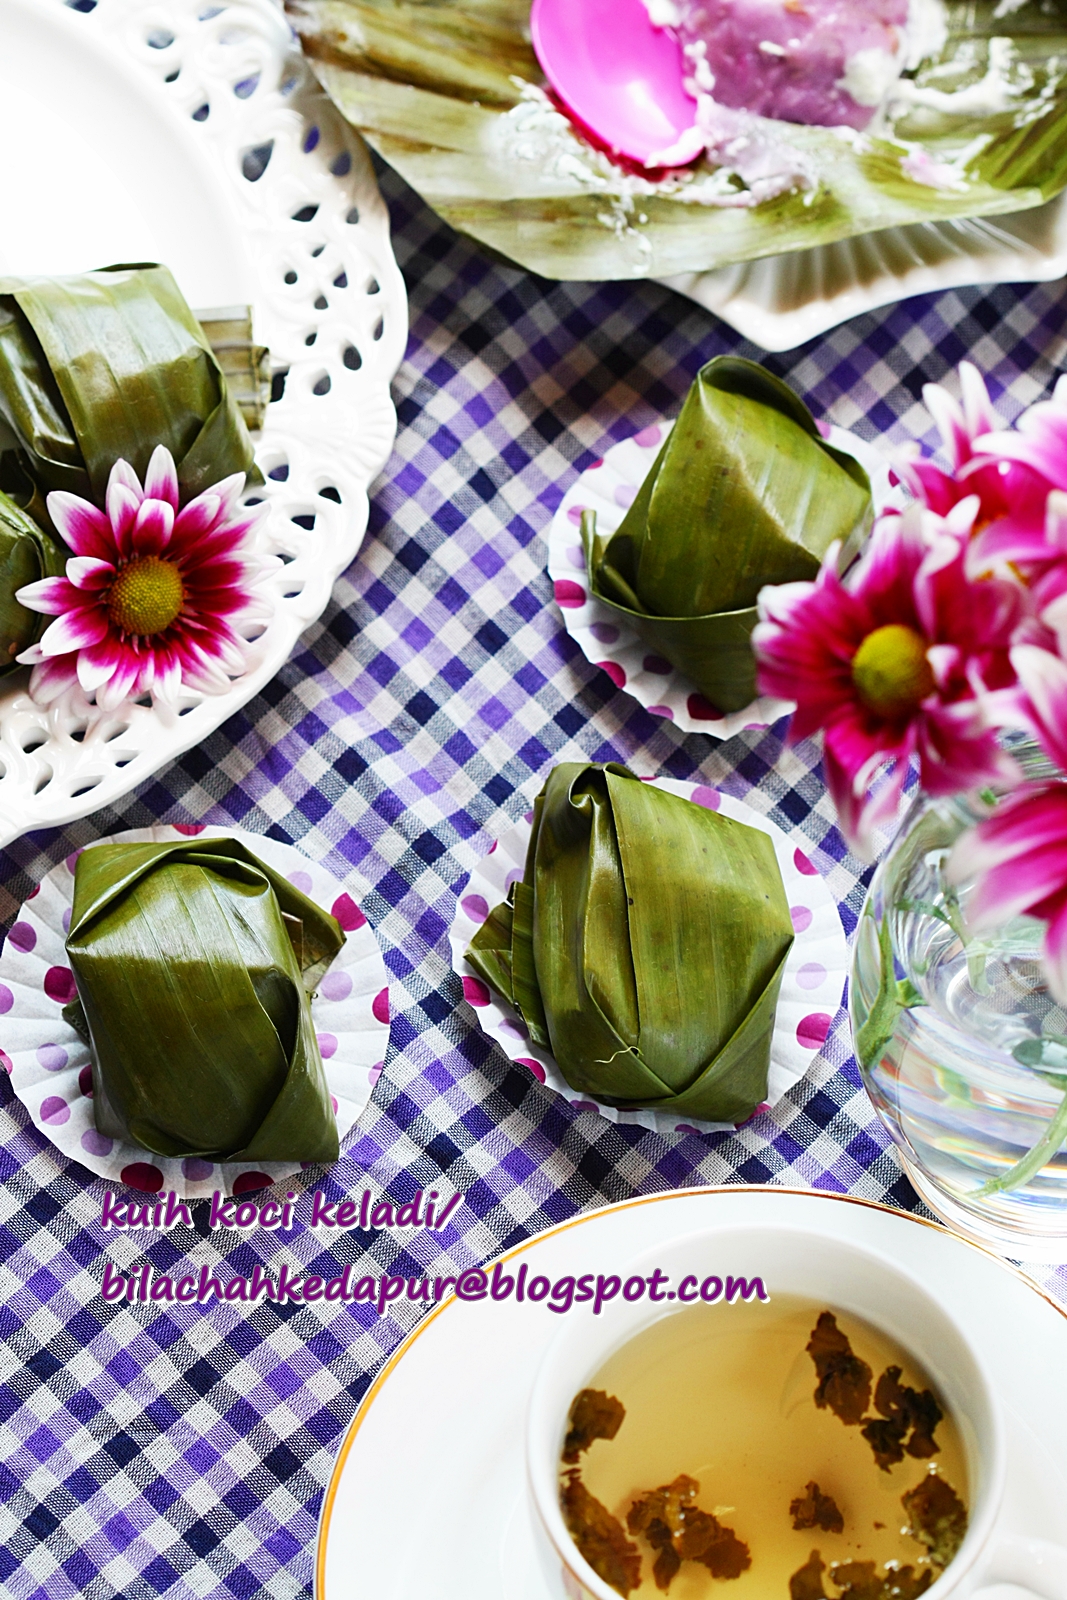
pixel 49 1063
pixel 609 487
pixel 193 133
pixel 811 986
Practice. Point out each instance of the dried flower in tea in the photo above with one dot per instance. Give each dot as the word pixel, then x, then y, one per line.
pixel 860 1580
pixel 806 1584
pixel 813 1509
pixel 886 1439
pixel 908 1408
pixel 844 1380
pixel 594 1415
pixel 678 1531
pixel 600 1537
pixel 937 1517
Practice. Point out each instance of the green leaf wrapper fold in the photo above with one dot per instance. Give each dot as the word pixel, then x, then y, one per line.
pixel 245 364
pixel 26 554
pixel 194 963
pixel 644 946
pixel 744 492
pixel 106 365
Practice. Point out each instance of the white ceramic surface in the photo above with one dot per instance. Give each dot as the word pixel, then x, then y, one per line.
pixel 811 989
pixel 445 1416
pixel 609 488
pixel 196 135
pixel 780 302
pixel 50 1064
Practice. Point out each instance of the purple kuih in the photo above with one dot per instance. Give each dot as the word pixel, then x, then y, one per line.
pixel 826 62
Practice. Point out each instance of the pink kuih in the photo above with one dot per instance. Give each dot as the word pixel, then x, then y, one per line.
pixel 827 63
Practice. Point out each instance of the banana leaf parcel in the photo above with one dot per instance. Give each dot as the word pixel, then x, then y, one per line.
pixel 194 963
pixel 450 94
pixel 744 492
pixel 26 554
pixel 644 946
pixel 106 365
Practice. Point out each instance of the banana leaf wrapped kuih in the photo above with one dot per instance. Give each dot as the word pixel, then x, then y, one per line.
pixel 105 365
pixel 644 946
pixel 194 964
pixel 744 492
pixel 26 554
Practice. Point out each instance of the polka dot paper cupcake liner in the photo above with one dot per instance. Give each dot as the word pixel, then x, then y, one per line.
pixel 49 1063
pixel 812 985
pixel 609 487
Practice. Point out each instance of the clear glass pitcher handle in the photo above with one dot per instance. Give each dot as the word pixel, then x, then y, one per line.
pixel 1031 1564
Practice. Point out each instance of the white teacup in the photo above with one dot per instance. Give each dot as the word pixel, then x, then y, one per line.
pixel 847 1278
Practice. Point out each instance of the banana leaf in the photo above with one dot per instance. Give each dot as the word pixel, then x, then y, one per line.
pixel 644 946
pixel 743 493
pixel 194 963
pixel 437 87
pixel 245 364
pixel 27 553
pixel 111 364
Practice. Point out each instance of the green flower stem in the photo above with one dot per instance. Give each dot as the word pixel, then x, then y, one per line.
pixel 1046 1147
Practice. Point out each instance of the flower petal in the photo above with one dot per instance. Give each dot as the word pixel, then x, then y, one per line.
pixel 1017 857
pixel 152 527
pixel 125 683
pixel 80 525
pixel 1044 678
pixel 979 416
pixel 97 663
pixel 122 507
pixel 1055 954
pixel 161 479
pixel 74 630
pixel 51 596
pixel 167 681
pixel 89 572
pixel 122 475
pixel 196 519
pixel 950 422
pixel 52 678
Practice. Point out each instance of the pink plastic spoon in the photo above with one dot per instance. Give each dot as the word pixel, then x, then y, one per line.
pixel 618 74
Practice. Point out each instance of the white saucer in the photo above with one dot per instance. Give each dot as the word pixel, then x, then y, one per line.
pixel 428 1497
pixel 609 487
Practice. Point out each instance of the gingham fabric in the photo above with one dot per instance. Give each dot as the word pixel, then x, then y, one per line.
pixel 184 1451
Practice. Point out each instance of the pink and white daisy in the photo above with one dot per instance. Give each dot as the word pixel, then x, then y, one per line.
pixel 152 594
pixel 1009 484
pixel 904 657
pixel 1018 858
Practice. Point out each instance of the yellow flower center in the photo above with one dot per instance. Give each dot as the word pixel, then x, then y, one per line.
pixel 891 672
pixel 146 596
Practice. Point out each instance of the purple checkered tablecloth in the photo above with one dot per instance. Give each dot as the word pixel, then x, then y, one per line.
pixel 181 1451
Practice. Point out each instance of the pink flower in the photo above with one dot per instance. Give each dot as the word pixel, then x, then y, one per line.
pixel 1004 481
pixel 1043 678
pixel 1030 532
pixel 152 593
pixel 1039 441
pixel 905 656
pixel 1019 859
